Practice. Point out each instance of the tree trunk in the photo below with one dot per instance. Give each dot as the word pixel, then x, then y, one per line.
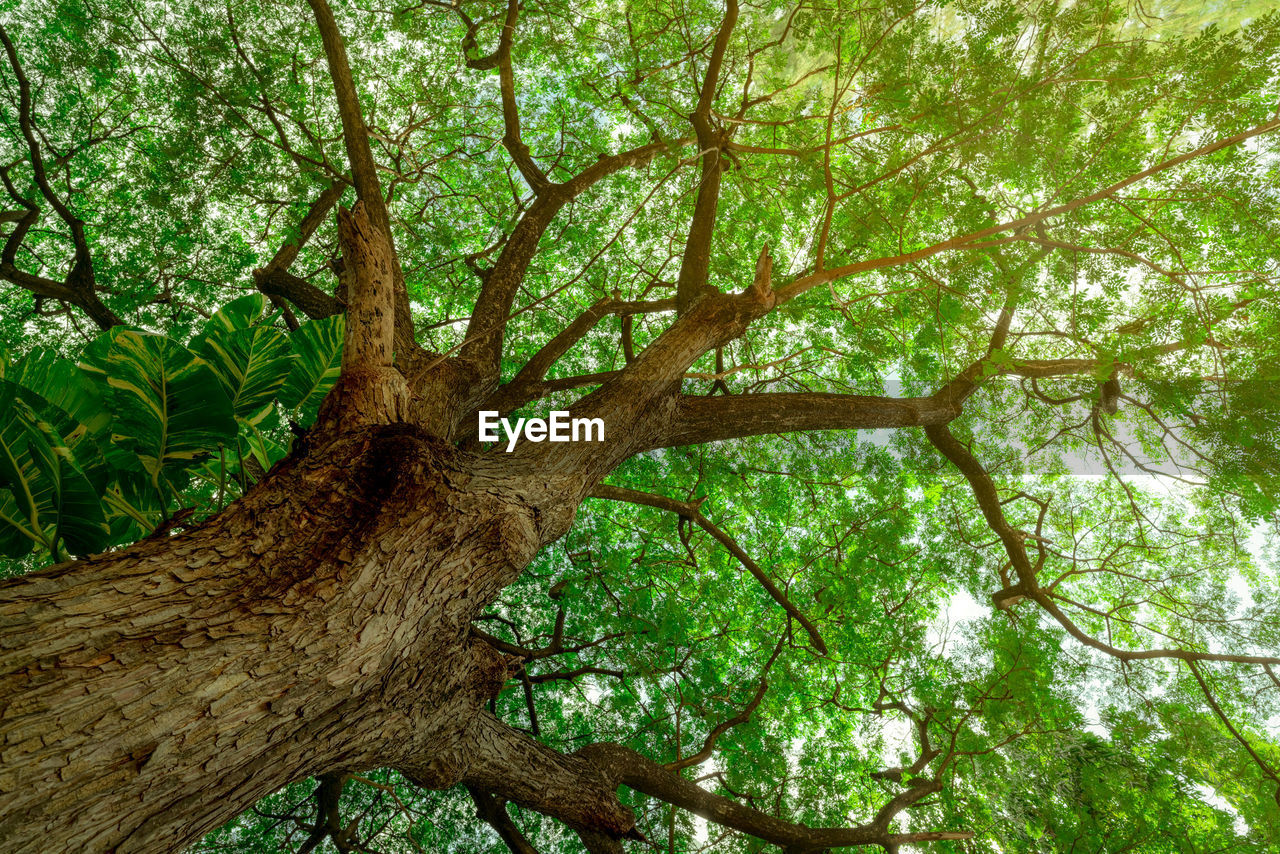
pixel 319 624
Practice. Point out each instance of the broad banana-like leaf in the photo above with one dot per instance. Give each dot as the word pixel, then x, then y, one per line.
pixel 45 499
pixel 62 383
pixel 168 406
pixel 93 365
pixel 319 348
pixel 132 507
pixel 241 313
pixel 65 397
pixel 252 364
pixel 266 451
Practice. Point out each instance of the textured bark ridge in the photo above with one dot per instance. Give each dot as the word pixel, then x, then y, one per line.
pixel 319 624
pixel 322 624
pixel 371 390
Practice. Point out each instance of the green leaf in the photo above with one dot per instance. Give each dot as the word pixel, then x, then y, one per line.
pixel 318 346
pixel 242 313
pixel 252 365
pixel 63 384
pixel 168 406
pixel 45 499
pixel 262 448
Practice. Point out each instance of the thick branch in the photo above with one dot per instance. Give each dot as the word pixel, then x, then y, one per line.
pixel 274 278
pixel 626 767
pixel 370 322
pixel 364 171
pixel 511 765
pixel 984 490
pixel 580 790
pixel 696 263
pixel 23 220
pixel 536 368
pixel 371 390
pixel 355 134
pixel 511 141
pixel 328 814
pixel 712 419
pixel 38 285
pixel 312 301
pixel 494 813
pixel 700 419
pixel 486 331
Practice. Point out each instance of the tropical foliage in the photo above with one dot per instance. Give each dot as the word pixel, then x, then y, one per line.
pixel 144 431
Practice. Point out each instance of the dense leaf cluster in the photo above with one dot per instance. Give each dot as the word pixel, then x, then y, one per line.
pixel 144 432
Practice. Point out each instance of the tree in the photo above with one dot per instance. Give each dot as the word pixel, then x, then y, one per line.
pixel 998 239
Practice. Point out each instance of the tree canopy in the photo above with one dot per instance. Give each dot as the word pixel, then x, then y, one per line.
pixel 944 513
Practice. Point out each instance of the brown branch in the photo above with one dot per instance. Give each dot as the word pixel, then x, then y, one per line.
pixel 370 323
pixel 570 675
pixel 80 282
pixel 698 420
pixel 364 171
pixel 984 490
pixel 529 385
pixel 1046 601
pixel 580 789
pixel 975 239
pixel 701 419
pixel 624 766
pixel 691 510
pixel 1222 716
pixel 312 301
pixel 370 390
pixel 696 262
pixel 482 346
pixel 355 134
pixel 494 812
pixel 328 818
pixel 536 368
pixel 636 403
pixel 27 127
pixel 23 220
pixel 274 278
pixel 709 744
pixel 509 764
pixel 315 215
pixel 469 43
pixel 511 141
